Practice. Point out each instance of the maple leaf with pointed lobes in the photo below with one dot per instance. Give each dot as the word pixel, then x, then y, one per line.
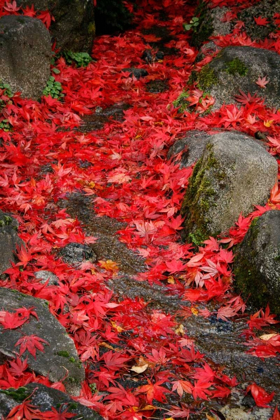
pixel 182 386
pixel 275 194
pixel 261 397
pixel 29 11
pixel 61 414
pixel 262 82
pixel 25 411
pixel 18 366
pixel 31 343
pixel 46 18
pixel 154 391
pixel 201 390
pixel 182 412
pixel 261 21
pixel 276 415
pixel 12 321
pixel 11 7
pixel 115 361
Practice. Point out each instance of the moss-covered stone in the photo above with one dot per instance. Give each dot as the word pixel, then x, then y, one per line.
pixel 204 30
pixel 218 189
pixel 19 394
pixel 181 102
pixel 199 198
pixel 257 263
pixel 206 78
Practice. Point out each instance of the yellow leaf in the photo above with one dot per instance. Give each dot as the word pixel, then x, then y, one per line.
pixel 180 330
pixel 109 265
pixel 139 369
pixel 116 326
pixel 194 311
pixel 170 280
pixel 146 408
pixel 267 337
pixel 268 123
pixel 91 184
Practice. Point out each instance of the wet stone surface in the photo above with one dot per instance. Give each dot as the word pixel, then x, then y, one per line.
pixel 75 253
pixel 101 116
pixel 107 246
pixel 157 86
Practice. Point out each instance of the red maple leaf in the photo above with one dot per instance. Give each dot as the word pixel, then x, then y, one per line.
pixel 31 343
pixel 261 397
pixel 154 391
pixel 61 414
pixel 46 18
pixel 18 366
pixel 180 386
pixel 261 21
pixel 25 411
pixel 276 415
pixel 115 361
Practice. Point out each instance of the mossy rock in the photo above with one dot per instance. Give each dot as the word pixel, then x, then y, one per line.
pixel 210 23
pixel 234 174
pixel 257 263
pixel 74 25
pixel 237 69
pixel 44 399
pixel 59 353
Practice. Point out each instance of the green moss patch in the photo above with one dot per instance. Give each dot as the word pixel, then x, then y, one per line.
pixel 236 66
pixel 19 395
pixel 200 197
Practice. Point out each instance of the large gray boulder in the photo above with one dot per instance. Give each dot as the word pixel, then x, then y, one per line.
pixel 45 399
pixel 73 28
pixel 234 174
pixel 9 240
pixel 257 262
pixel 59 355
pixel 239 68
pixel 25 53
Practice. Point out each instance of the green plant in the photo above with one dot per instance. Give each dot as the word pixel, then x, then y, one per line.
pixel 181 102
pixel 5 125
pixel 81 59
pixel 7 89
pixel 194 23
pixel 7 220
pixel 53 88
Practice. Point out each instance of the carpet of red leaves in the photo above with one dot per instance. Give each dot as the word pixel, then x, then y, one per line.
pixel 130 179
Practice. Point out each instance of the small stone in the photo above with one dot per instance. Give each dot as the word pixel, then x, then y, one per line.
pixel 47 276
pixel 160 55
pixel 75 253
pixel 138 73
pixel 147 56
